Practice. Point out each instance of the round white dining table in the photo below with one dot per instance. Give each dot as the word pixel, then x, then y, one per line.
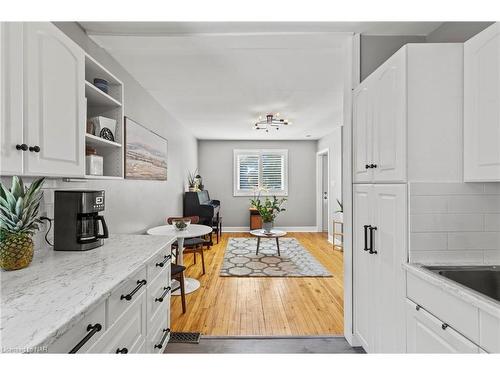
pixel 193 230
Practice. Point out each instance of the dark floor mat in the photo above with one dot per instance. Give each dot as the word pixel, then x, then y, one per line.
pixel 185 337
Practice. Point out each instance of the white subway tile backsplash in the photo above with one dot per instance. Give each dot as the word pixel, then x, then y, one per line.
pixel 474 241
pixel 492 222
pixel 429 241
pixel 446 222
pixel 443 189
pixel 492 257
pixel 448 257
pixel 474 204
pixel 492 188
pixel 428 204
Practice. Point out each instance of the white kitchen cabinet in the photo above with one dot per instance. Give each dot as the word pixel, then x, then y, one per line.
pixel 482 106
pixel 407 117
pixel 427 334
pixel 54 102
pixel 379 280
pixel 11 98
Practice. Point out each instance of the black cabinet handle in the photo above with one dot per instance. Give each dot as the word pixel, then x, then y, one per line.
pixel 373 165
pixel 372 249
pixel 162 263
pixel 92 330
pixel 23 147
pixel 444 326
pixel 366 237
pixel 367 166
pixel 417 307
pixel 140 284
pixel 122 351
pixel 34 149
pixel 165 292
pixel 164 337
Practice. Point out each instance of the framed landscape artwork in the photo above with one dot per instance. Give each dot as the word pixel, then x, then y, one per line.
pixel 145 153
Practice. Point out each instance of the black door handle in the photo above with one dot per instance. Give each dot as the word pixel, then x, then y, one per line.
pixel 373 165
pixel 92 330
pixel 367 166
pixel 372 249
pixel 366 237
pixel 128 297
pixel 23 147
pixel 162 263
pixel 34 149
pixel 122 351
pixel 165 292
pixel 164 337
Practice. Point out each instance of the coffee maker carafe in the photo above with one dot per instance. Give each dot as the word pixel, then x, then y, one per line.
pixel 76 220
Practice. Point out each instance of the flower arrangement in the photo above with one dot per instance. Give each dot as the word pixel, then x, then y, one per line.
pixel 268 209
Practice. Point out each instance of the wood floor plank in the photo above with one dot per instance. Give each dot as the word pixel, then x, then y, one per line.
pixel 264 306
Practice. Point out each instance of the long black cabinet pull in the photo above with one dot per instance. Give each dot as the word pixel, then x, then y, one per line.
pixel 366 237
pixel 164 337
pixel 165 292
pixel 92 330
pixel 372 249
pixel 122 351
pixel 162 263
pixel 140 284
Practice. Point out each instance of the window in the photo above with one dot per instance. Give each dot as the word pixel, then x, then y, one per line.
pixel 265 170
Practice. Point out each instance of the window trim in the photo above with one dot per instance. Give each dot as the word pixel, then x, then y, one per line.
pixel 245 193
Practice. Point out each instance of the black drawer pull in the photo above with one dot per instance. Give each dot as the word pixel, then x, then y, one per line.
pixel 417 307
pixel 23 147
pixel 34 149
pixel 372 249
pixel 162 263
pixel 140 284
pixel 92 330
pixel 367 166
pixel 122 351
pixel 164 337
pixel 366 237
pixel 444 326
pixel 166 290
pixel 373 165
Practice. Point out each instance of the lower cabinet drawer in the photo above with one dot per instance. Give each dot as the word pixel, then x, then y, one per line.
pixel 462 316
pixel 159 263
pixel 128 333
pixel 87 329
pixel 128 292
pixel 158 295
pixel 427 334
pixel 158 340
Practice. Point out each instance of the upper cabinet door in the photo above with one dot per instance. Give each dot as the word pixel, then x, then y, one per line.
pixel 389 126
pixel 54 105
pixel 362 134
pixel 482 106
pixel 11 98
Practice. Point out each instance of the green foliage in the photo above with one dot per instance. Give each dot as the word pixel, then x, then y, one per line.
pixel 268 209
pixel 19 207
pixel 191 178
pixel 341 206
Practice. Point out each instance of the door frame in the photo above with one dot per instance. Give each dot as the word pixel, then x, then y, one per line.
pixel 319 190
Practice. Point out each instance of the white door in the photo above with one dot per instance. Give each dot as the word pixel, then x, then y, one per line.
pixel 364 267
pixel 389 239
pixel 362 133
pixel 11 99
pixel 482 106
pixel 54 97
pixel 425 334
pixel 324 192
pixel 389 120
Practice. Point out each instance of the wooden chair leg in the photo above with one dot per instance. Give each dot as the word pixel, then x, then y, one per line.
pixel 202 260
pixel 194 254
pixel 183 293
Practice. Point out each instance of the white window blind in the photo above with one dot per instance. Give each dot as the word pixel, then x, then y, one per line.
pixel 263 170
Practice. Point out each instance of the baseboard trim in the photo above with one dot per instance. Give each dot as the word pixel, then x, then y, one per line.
pixel 330 239
pixel 286 229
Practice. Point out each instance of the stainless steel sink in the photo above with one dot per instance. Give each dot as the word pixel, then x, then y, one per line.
pixel 482 279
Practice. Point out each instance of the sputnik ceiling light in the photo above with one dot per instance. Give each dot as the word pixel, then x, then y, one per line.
pixel 270 121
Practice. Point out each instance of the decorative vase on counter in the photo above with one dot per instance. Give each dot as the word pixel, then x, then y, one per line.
pixel 267 226
pixel 18 222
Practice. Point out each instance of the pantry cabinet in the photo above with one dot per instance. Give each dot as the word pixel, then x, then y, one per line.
pixel 482 106
pixel 378 253
pixel 43 101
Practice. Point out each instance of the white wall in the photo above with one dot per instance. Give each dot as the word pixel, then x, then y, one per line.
pixel 216 168
pixel 134 206
pixel 333 143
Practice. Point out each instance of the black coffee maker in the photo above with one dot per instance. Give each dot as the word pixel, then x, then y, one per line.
pixel 76 219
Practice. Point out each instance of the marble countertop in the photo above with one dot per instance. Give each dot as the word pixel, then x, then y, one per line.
pixel 477 299
pixel 39 303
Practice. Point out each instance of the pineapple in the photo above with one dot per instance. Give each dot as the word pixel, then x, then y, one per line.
pixel 18 222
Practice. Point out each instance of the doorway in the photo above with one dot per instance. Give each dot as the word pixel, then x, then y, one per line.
pixel 323 212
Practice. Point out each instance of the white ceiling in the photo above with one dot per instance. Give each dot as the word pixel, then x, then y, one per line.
pixel 217 78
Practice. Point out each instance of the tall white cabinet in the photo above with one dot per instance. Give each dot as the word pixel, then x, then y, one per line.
pixel 406 128
pixel 482 106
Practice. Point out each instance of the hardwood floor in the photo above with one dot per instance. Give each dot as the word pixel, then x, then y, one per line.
pixel 264 306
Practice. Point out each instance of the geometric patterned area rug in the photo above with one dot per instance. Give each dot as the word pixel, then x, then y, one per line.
pixel 295 261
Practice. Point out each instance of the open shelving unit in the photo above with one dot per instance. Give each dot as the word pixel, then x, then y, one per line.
pixel 108 105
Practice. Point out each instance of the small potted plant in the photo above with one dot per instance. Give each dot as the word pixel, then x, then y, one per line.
pixel 268 210
pixel 192 181
pixel 18 222
pixel 339 214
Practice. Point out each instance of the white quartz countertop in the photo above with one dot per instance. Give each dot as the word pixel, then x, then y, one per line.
pixel 39 303
pixel 477 299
